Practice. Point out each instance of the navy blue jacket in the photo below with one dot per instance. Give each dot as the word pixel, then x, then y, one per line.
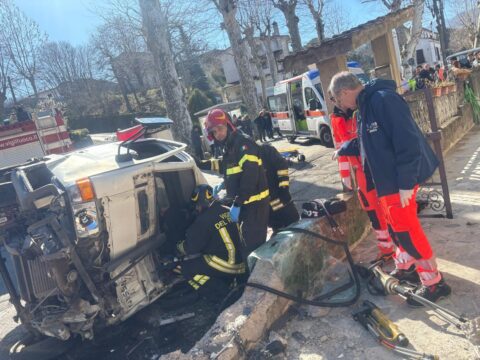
pixel 391 143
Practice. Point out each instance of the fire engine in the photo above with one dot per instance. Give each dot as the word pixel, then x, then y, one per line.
pixel 44 134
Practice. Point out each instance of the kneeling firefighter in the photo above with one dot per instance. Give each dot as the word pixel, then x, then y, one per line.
pixel 244 179
pixel 282 209
pixel 216 237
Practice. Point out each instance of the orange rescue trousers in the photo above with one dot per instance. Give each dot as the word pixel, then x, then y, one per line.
pixel 369 202
pixel 413 247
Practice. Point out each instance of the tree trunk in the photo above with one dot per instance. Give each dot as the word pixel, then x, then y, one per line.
pixel 415 31
pixel 441 28
pixel 257 62
pixel 240 53
pixel 155 28
pixel 320 26
pixel 3 97
pixel 477 30
pixel 33 84
pixel 272 64
pixel 121 85
pixel 292 24
pixel 12 92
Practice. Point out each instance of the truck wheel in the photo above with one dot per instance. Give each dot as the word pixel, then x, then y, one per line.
pixel 45 349
pixel 291 139
pixel 326 137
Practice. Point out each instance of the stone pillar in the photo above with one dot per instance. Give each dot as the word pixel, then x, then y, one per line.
pixel 386 62
pixel 327 69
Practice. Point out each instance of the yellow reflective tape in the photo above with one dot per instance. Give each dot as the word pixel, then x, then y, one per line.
pixel 275 202
pixel 282 172
pixel 195 197
pixel 234 170
pixel 193 284
pixel 284 183
pixel 228 244
pixel 258 197
pixel 251 158
pixel 221 265
pixel 201 279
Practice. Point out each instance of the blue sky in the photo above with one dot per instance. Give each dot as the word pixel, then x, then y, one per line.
pixel 74 20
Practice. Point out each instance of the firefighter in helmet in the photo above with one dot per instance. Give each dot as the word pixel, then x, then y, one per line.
pixel 244 178
pixel 216 238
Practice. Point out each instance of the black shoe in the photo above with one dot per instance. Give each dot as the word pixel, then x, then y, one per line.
pixel 410 275
pixel 432 293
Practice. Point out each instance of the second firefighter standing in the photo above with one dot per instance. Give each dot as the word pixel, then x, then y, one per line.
pixel 244 178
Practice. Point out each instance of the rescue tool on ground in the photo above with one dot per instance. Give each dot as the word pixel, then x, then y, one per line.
pixel 393 286
pixel 385 331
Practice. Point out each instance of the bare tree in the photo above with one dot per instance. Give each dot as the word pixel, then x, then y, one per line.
pixel 104 43
pixel 288 8
pixel 337 18
pixel 23 41
pixel 259 15
pixel 4 73
pixel 466 15
pixel 228 9
pixel 155 28
pixel 316 8
pixel 407 37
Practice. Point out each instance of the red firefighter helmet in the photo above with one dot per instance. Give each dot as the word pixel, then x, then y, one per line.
pixel 218 117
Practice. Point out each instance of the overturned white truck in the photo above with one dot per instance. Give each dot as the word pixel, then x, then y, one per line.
pixel 84 232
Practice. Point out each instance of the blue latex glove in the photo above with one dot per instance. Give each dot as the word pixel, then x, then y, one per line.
pixel 235 213
pixel 217 188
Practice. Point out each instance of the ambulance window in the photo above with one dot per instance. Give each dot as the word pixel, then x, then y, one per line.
pixel 312 100
pixel 318 87
pixel 277 103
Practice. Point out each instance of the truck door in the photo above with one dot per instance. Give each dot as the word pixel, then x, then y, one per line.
pixel 279 106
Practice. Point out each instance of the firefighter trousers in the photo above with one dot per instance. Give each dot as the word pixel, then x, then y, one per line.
pixel 413 247
pixel 209 282
pixel 284 216
pixel 253 225
pixel 370 203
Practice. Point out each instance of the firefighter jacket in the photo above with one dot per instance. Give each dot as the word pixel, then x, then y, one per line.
pixel 245 179
pixel 391 143
pixel 276 168
pixel 344 128
pixel 214 235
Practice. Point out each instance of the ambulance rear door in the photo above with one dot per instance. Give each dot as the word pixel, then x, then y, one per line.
pixel 280 110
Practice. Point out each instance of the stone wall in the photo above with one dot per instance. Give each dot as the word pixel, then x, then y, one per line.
pixel 454 116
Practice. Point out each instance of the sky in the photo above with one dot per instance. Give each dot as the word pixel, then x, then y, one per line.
pixel 75 20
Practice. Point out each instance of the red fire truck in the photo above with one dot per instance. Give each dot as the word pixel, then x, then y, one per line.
pixel 43 135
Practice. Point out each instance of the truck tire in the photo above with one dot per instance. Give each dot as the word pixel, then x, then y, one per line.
pixel 326 137
pixel 46 348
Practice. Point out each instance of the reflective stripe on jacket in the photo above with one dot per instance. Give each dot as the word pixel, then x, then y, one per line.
pixel 245 179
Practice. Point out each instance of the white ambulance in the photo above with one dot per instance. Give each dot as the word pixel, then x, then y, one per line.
pixel 298 107
pixel 43 135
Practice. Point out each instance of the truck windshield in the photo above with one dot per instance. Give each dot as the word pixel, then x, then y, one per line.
pixel 278 103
